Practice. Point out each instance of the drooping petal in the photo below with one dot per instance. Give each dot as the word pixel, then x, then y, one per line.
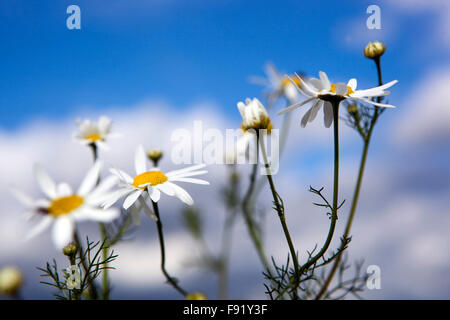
pixel 62 232
pixel 167 189
pixel 115 196
pixel 131 198
pixel 46 183
pixel 328 114
pixel 315 110
pixel 297 105
pixel 155 194
pixel 306 118
pixel 140 160
pixel 90 180
pixel 182 194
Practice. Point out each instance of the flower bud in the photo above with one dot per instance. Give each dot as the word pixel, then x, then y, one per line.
pixel 154 155
pixel 70 250
pixel 374 50
pixel 11 280
pixel 196 296
pixel 254 115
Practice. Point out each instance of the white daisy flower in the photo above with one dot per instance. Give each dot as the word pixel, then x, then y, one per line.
pixel 278 84
pixel 94 132
pixel 154 181
pixel 65 207
pixel 254 116
pixel 321 91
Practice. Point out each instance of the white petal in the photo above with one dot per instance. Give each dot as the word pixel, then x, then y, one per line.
pixel 131 198
pixel 341 89
pixel 182 194
pixel 104 125
pixel 188 169
pixel 23 198
pixel 328 114
pixel 190 180
pixel 352 84
pixel 140 160
pixel 62 232
pixel 46 183
pixel 115 196
pixel 324 78
pixel 315 109
pixel 318 84
pixel 39 227
pixel 155 194
pixel 306 118
pixel 295 106
pixel 121 175
pixel 166 188
pixel 375 103
pixel 134 212
pixel 90 180
pixel 64 190
pixel 100 215
pixel 190 174
pixel 103 187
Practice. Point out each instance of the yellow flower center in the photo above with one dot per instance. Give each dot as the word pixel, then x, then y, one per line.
pixel 65 205
pixel 93 137
pixel 151 177
pixel 285 81
pixel 349 90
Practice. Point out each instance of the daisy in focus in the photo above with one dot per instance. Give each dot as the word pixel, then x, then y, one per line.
pixel 94 133
pixel 321 91
pixel 65 207
pixel 153 181
pixel 254 117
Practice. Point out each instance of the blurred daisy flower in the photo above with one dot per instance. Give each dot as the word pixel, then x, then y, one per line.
pixel 154 181
pixel 278 85
pixel 65 207
pixel 95 133
pixel 254 117
pixel 321 91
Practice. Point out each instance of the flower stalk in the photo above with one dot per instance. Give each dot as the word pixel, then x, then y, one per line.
pixel 172 281
pixel 366 140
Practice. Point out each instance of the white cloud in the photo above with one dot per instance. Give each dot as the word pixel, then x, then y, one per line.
pixel 425 115
pixel 393 228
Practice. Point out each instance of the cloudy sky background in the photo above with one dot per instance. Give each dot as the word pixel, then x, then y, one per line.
pixel 157 66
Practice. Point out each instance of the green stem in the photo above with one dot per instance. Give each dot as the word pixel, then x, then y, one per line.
pixel 334 209
pixel 255 235
pixel 92 288
pixel 103 235
pixel 159 226
pixel 280 211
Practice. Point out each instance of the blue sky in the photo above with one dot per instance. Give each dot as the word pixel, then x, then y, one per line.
pixel 185 52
